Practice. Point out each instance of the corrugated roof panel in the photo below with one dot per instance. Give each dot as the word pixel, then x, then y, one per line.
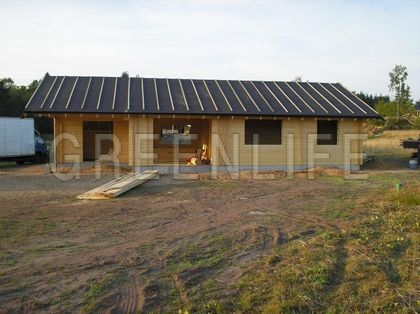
pixel 121 96
pixel 177 97
pixel 232 98
pixel 292 110
pixel 52 93
pixel 339 98
pixel 370 112
pixel 150 101
pixel 218 97
pixel 78 95
pixel 332 111
pixel 245 99
pixel 262 103
pixel 191 97
pixel 309 99
pixel 205 97
pixel 135 95
pixel 92 96
pixel 305 100
pixel 63 94
pixel 107 95
pixel 274 102
pixel 42 91
pixel 296 101
pixel 344 109
pixel 165 101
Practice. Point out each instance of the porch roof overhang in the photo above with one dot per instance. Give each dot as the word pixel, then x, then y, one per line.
pixel 192 97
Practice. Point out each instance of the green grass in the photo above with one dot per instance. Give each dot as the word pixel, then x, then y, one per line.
pixel 8 227
pixel 194 266
pixel 368 267
pixel 7 164
pixel 91 299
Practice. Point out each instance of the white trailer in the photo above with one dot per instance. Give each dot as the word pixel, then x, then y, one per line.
pixel 18 139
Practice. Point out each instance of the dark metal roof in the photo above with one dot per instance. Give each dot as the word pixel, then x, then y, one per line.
pixel 135 95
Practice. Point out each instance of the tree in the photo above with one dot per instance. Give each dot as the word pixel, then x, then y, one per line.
pixel 13 98
pixel 397 83
pixel 5 85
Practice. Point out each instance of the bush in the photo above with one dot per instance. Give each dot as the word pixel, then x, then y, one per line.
pixel 393 123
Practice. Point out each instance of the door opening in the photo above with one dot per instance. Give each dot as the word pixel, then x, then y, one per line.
pixel 90 130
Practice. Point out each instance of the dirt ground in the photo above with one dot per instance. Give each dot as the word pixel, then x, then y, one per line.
pixel 167 245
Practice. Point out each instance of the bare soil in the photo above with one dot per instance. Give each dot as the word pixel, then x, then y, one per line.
pixel 167 245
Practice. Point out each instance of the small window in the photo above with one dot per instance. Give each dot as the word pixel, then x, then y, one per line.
pixel 269 132
pixel 327 132
pixel 176 134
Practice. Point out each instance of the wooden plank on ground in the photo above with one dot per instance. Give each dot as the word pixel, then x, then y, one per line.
pixel 119 186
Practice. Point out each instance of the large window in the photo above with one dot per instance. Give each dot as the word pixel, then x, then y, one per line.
pixel 268 131
pixel 327 132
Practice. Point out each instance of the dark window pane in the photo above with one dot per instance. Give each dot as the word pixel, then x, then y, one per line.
pixel 327 132
pixel 269 132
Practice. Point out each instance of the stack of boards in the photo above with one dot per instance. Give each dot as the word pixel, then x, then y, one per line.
pixel 119 186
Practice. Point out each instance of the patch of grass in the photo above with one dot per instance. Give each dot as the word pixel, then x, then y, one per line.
pixel 209 251
pixel 98 288
pixel 49 247
pixel 405 197
pixel 368 267
pixel 219 184
pixel 8 227
pixel 7 164
pixel 15 231
pixel 7 259
pixel 193 267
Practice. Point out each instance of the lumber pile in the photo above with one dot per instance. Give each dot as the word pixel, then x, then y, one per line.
pixel 119 186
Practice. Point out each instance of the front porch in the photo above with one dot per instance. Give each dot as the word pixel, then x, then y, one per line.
pixel 178 141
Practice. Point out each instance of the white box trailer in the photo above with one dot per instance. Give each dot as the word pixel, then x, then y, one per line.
pixel 19 141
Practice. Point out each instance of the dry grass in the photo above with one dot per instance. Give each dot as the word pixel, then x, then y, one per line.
pixel 388 143
pixel 387 151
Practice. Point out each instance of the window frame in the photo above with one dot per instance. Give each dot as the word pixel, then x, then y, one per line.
pixel 330 127
pixel 267 138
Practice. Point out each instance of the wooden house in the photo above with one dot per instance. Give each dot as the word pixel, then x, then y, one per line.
pixel 243 124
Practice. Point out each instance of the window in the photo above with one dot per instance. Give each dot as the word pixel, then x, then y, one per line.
pixel 175 134
pixel 269 132
pixel 327 132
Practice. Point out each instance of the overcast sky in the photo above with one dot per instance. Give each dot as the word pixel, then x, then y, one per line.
pixel 354 42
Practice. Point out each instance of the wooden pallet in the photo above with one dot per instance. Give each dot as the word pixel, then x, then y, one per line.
pixel 119 186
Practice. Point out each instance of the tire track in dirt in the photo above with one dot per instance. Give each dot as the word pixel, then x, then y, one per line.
pixel 130 296
pixel 132 300
pixel 263 237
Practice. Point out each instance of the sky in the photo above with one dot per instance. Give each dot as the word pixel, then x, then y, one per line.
pixel 354 42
